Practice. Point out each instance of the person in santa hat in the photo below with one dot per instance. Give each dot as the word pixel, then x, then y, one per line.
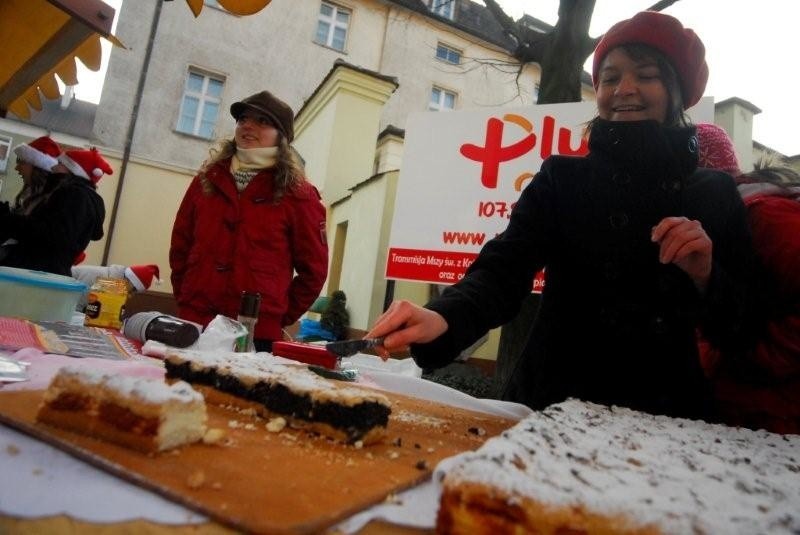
pixel 35 161
pixel 139 277
pixel 49 236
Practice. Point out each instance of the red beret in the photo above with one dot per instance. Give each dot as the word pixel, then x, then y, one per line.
pixel 681 46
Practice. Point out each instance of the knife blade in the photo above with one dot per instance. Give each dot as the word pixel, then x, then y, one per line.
pixel 348 348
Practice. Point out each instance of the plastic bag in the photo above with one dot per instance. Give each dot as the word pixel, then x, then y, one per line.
pixel 220 335
pixel 311 331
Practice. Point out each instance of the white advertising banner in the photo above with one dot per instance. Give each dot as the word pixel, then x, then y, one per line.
pixel 462 173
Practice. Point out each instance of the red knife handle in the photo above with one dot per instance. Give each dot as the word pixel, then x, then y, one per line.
pixel 308 353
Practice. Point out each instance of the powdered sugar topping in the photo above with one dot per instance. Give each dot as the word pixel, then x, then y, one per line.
pixel 248 367
pixel 680 475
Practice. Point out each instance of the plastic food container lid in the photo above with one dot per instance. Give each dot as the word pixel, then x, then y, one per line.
pixel 41 279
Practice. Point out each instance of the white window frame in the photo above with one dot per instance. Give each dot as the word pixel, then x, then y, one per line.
pixel 450 50
pixel 203 99
pixel 439 106
pixel 5 141
pixel 333 23
pixel 443 8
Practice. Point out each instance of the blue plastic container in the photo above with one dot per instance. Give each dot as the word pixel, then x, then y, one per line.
pixel 37 295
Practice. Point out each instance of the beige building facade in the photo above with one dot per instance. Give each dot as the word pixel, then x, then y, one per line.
pixel 351 105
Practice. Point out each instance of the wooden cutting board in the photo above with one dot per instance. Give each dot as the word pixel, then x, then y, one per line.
pixel 287 482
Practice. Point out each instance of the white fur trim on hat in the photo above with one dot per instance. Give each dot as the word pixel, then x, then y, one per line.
pixel 36 158
pixel 73 166
pixel 131 276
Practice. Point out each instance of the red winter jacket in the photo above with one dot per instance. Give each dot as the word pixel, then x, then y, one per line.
pixel 762 390
pixel 225 242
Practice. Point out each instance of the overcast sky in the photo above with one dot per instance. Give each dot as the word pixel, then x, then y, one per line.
pixel 751 46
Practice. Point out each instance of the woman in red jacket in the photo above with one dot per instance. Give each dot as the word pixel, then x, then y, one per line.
pixel 250 221
pixel 758 386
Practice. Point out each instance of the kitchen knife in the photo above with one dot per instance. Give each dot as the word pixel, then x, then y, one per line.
pixel 348 348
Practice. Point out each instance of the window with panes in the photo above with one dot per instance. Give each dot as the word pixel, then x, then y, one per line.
pixel 448 54
pixel 442 100
pixel 445 8
pixel 5 152
pixel 332 26
pixel 199 111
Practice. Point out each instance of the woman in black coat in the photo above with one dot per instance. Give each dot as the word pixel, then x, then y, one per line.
pixel 641 247
pixel 66 217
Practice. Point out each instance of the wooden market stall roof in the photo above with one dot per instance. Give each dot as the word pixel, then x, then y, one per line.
pixel 42 39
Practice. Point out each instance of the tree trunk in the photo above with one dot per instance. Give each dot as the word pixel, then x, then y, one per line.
pixel 562 66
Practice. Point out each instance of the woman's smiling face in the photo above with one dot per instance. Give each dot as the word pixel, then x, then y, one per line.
pixel 631 89
pixel 254 130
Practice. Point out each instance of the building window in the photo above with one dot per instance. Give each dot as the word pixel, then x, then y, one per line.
pixel 450 55
pixel 445 8
pixel 332 26
pixel 200 105
pixel 442 100
pixel 5 151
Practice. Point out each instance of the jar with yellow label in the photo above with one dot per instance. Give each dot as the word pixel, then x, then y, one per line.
pixel 105 303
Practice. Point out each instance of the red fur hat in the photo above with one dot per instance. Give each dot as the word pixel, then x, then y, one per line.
pixel 716 149
pixel 681 46
pixel 41 152
pixel 88 164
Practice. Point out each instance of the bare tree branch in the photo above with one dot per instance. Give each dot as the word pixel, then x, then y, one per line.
pixel 660 6
pixel 507 23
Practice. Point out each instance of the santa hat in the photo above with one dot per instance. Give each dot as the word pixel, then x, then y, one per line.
pixel 41 152
pixel 716 149
pixel 681 46
pixel 142 276
pixel 88 164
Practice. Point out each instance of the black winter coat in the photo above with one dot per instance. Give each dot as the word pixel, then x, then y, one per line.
pixel 60 227
pixel 615 326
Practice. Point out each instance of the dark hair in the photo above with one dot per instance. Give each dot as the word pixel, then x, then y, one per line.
pixel 771 170
pixel 32 192
pixel 669 77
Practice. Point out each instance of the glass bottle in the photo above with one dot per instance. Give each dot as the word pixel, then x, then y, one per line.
pixel 248 316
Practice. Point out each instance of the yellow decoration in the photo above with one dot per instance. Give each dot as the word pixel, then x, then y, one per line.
pixel 237 7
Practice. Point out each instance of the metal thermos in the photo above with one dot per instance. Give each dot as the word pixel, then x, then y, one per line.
pixel 162 328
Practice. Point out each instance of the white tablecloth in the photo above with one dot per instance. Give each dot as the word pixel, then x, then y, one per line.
pixel 40 480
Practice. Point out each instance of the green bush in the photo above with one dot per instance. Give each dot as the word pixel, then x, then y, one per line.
pixel 335 318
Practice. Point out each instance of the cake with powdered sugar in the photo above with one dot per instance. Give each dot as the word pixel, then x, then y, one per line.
pixel 581 468
pixel 144 414
pixel 345 413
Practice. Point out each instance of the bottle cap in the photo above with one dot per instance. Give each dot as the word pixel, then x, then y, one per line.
pixel 249 305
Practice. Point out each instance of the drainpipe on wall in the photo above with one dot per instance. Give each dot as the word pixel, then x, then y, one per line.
pixel 131 128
